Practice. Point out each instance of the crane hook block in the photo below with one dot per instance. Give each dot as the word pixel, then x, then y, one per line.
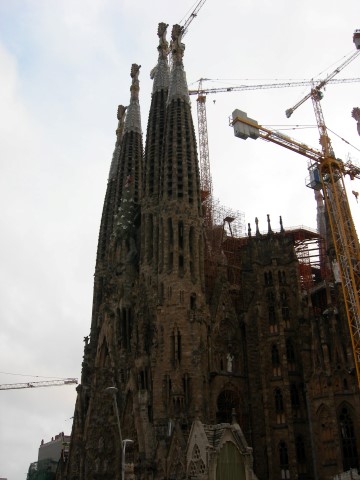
pixel 356 38
pixel 244 127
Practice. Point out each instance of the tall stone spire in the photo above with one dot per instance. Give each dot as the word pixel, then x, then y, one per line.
pixel 180 278
pixel 178 84
pixel 130 162
pixel 180 180
pixel 153 153
pixel 109 207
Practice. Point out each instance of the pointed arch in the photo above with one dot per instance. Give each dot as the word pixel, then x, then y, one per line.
pixel 348 428
pixel 230 463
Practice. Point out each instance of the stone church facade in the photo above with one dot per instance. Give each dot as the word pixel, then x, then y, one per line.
pixel 225 365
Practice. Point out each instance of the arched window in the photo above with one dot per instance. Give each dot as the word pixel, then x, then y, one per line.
pixel 295 399
pixel 271 310
pixel 285 312
pixel 300 454
pixel 348 440
pixel 275 360
pixel 279 406
pixel 284 461
pixel 326 424
pixel 290 355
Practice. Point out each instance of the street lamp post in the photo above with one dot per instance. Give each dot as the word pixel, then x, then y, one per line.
pixel 124 443
pixel 113 391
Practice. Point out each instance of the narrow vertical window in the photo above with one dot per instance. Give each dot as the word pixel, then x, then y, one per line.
pixel 284 461
pixel 275 360
pixel 279 406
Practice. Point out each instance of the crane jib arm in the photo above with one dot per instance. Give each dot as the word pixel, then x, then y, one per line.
pixel 245 127
pixel 45 383
pixel 330 172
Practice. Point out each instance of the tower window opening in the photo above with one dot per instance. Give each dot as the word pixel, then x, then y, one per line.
pixel 284 461
pixel 176 347
pixel 273 327
pixel 170 244
pixel 193 301
pixel 181 235
pixel 290 355
pixel 150 239
pixel 191 250
pixel 300 455
pixel 275 360
pixel 295 399
pixel 181 264
pixel 279 406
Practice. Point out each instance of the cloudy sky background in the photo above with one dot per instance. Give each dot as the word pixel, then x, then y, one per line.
pixel 65 66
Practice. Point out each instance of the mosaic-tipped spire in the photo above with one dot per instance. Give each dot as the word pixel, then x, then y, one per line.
pixel 161 72
pixel 257 227
pixel 119 135
pixel 130 160
pixel 156 123
pixel 133 118
pixel 281 225
pixel 178 84
pixel 249 230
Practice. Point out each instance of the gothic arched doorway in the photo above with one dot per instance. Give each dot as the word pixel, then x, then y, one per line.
pixel 348 439
pixel 230 464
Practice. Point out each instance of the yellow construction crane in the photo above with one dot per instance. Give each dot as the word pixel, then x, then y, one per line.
pixel 326 173
pixel 201 92
pixel 45 383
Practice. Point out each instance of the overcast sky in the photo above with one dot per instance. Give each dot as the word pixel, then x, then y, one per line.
pixel 65 66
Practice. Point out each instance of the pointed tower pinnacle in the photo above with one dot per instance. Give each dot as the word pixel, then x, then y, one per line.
pixel 153 156
pixel 119 134
pixel 130 160
pixel 133 119
pixel 178 83
pixel 160 73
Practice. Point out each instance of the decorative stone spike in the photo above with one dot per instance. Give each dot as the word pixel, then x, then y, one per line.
pixel 133 119
pixel 257 227
pixel 281 225
pixel 249 230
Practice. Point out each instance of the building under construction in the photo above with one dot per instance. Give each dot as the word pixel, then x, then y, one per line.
pixel 214 353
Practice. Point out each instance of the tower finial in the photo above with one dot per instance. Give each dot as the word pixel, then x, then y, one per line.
pixel 121 118
pixel 269 224
pixel 119 135
pixel 160 73
pixel 133 120
pixel 281 225
pixel 134 73
pixel 177 48
pixel 249 230
pixel 178 85
pixel 257 227
pixel 163 47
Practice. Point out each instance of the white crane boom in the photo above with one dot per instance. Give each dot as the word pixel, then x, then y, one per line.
pixel 259 86
pixel 192 16
pixel 317 86
pixel 44 383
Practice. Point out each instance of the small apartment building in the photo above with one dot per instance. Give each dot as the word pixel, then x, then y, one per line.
pixel 54 449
